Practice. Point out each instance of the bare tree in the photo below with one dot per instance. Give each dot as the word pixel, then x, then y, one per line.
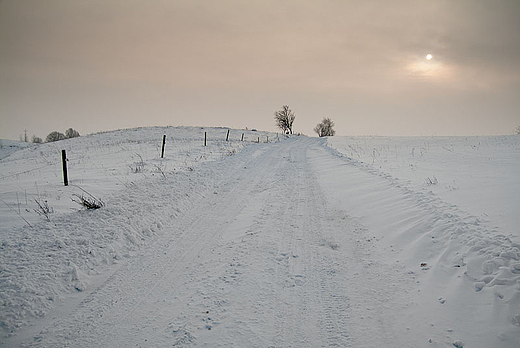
pixel 325 128
pixel 36 140
pixel 284 119
pixel 518 130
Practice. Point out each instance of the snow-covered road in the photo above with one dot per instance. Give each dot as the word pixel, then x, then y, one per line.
pixel 263 253
pixel 260 259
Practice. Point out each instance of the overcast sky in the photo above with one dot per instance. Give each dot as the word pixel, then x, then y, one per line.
pixel 103 65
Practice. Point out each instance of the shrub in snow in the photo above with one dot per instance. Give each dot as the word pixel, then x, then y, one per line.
pixel 138 167
pixel 432 181
pixel 159 169
pixel 88 202
pixel 43 209
pixel 54 136
pixel 71 133
pixel 36 140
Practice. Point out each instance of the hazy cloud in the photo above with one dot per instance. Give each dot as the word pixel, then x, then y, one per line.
pixel 210 61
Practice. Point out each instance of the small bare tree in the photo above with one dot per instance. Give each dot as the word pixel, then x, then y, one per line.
pixel 518 130
pixel 36 140
pixel 325 128
pixel 284 119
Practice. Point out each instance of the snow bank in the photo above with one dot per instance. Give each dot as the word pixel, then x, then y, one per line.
pixel 42 259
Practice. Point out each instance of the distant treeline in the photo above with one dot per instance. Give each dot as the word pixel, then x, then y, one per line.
pixel 52 136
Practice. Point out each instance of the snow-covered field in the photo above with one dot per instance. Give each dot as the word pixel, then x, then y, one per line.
pixel 448 208
pixel 299 242
pixel 478 174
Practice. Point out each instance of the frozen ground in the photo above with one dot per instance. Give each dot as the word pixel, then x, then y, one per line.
pixel 282 244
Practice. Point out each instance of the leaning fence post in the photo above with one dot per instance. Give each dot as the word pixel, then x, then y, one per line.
pixel 258 140
pixel 204 138
pixel 64 160
pixel 163 142
pixel 227 135
pixel 242 137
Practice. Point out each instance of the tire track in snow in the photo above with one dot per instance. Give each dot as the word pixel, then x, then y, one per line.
pixel 312 308
pixel 332 313
pixel 291 295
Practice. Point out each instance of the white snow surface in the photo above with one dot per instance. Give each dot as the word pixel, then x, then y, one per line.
pixel 299 242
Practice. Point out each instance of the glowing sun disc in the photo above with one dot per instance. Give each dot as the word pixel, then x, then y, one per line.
pixel 429 56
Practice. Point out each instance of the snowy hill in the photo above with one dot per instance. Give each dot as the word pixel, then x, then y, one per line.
pixel 345 241
pixel 104 163
pixel 43 259
pixel 7 147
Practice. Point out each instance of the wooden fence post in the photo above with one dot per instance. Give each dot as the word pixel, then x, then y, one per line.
pixel 204 138
pixel 64 160
pixel 163 142
pixel 227 135
pixel 242 137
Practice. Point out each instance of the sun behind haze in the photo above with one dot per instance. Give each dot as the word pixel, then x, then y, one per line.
pixel 100 65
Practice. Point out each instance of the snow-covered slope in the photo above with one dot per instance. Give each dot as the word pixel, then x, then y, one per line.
pixel 104 163
pixel 7 147
pixel 286 243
